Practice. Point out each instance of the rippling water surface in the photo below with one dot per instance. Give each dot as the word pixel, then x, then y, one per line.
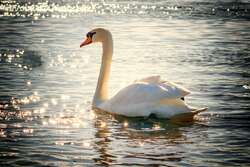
pixel 47 82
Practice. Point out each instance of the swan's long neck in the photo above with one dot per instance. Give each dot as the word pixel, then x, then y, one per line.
pixel 101 93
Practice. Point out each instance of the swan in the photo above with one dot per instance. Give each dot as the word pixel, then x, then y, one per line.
pixel 142 98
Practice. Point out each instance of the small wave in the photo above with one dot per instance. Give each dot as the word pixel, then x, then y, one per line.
pixel 246 87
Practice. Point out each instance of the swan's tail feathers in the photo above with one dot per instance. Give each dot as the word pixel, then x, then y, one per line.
pixel 187 117
pixel 197 111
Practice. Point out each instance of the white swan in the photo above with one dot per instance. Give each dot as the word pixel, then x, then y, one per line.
pixel 144 97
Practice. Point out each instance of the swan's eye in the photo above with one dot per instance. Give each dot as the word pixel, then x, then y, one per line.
pixel 90 34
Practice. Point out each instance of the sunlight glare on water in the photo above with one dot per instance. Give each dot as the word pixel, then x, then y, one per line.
pixel 47 82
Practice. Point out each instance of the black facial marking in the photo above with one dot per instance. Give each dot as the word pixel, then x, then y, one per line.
pixel 90 34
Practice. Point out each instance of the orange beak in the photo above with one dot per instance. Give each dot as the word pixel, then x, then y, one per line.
pixel 86 42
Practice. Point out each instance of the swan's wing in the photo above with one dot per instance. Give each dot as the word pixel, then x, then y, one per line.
pixel 180 91
pixel 151 79
pixel 138 99
pixel 135 99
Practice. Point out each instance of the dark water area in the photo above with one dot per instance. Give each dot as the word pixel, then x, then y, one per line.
pixel 47 82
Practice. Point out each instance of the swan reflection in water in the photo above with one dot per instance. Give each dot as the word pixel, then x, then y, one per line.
pixel 116 133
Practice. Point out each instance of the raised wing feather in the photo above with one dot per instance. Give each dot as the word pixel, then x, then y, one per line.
pixel 151 79
pixel 179 90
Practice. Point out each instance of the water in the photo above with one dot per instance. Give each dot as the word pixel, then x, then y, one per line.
pixel 47 82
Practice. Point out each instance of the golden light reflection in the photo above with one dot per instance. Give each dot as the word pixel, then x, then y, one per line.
pixel 204 119
pixel 141 143
pixel 2 134
pixel 52 121
pixel 77 107
pixel 42 110
pixel 36 111
pixel 156 127
pixel 86 144
pixel 65 97
pixel 64 105
pixel 28 83
pixel 103 124
pixel 27 113
pixel 92 115
pixel 246 87
pixel 25 100
pixel 5 106
pixel 46 105
pixel 66 121
pixel 125 124
pixel 28 131
pixel 60 143
pixel 35 17
pixel 54 101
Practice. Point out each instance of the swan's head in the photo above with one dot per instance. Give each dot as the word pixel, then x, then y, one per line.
pixel 96 35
